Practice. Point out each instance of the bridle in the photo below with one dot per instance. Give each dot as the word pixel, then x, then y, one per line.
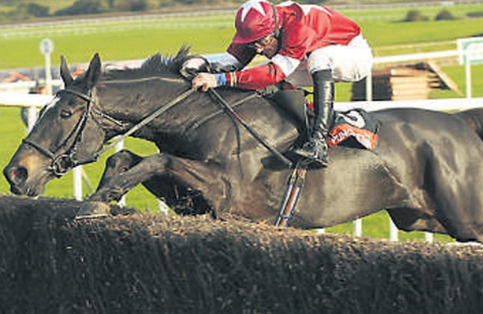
pixel 64 162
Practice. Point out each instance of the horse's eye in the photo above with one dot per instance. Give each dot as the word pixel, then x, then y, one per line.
pixel 65 114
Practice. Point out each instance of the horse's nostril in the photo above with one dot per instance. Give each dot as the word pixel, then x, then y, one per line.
pixel 18 175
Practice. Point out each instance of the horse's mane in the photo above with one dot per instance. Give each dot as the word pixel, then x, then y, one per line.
pixel 156 65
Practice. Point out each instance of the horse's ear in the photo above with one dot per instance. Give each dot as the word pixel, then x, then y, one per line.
pixel 65 72
pixel 94 72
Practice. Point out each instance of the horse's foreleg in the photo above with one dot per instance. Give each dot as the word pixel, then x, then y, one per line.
pixel 182 183
pixel 120 176
pixel 124 172
pixel 124 160
pixel 117 164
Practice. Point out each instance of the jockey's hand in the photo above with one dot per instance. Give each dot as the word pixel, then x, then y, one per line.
pixel 205 81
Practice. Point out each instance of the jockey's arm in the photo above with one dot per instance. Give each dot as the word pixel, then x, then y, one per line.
pixel 271 72
pixel 226 63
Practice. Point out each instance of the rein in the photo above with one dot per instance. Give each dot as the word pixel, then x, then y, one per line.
pixel 145 121
pixel 296 180
pixel 254 133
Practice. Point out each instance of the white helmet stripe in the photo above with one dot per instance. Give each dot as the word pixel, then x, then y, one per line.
pixel 253 4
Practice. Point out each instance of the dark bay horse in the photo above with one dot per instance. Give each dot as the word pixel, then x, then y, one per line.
pixel 426 170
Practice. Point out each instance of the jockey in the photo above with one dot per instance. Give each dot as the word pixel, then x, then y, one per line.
pixel 287 34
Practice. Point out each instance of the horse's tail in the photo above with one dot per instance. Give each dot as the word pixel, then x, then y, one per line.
pixel 474 118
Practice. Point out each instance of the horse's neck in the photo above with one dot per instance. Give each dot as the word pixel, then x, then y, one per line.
pixel 132 101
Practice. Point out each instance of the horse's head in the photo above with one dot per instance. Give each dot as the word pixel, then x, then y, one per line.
pixel 66 134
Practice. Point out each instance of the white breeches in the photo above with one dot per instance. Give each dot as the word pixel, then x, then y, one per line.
pixel 349 63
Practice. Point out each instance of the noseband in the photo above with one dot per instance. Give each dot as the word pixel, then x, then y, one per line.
pixel 63 162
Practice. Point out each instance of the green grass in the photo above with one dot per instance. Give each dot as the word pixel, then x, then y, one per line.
pixel 211 35
pixel 54 5
pixel 379 34
pixel 111 43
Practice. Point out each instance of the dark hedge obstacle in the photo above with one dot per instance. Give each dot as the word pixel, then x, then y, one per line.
pixel 144 263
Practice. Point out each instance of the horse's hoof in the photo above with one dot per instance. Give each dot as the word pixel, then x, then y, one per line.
pixel 92 210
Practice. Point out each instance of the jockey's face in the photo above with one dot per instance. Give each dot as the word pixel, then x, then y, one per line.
pixel 267 46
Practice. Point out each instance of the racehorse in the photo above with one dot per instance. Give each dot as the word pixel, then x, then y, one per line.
pixel 425 171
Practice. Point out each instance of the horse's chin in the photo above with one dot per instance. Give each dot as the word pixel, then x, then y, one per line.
pixel 34 193
pixel 24 191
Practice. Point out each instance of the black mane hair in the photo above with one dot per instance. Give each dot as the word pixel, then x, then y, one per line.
pixel 155 65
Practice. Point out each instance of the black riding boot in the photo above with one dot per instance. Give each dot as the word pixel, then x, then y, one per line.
pixel 316 146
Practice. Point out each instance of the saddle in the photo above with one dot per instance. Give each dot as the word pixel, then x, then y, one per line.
pixel 354 128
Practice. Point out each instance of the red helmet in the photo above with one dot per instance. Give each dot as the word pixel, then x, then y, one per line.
pixel 255 19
